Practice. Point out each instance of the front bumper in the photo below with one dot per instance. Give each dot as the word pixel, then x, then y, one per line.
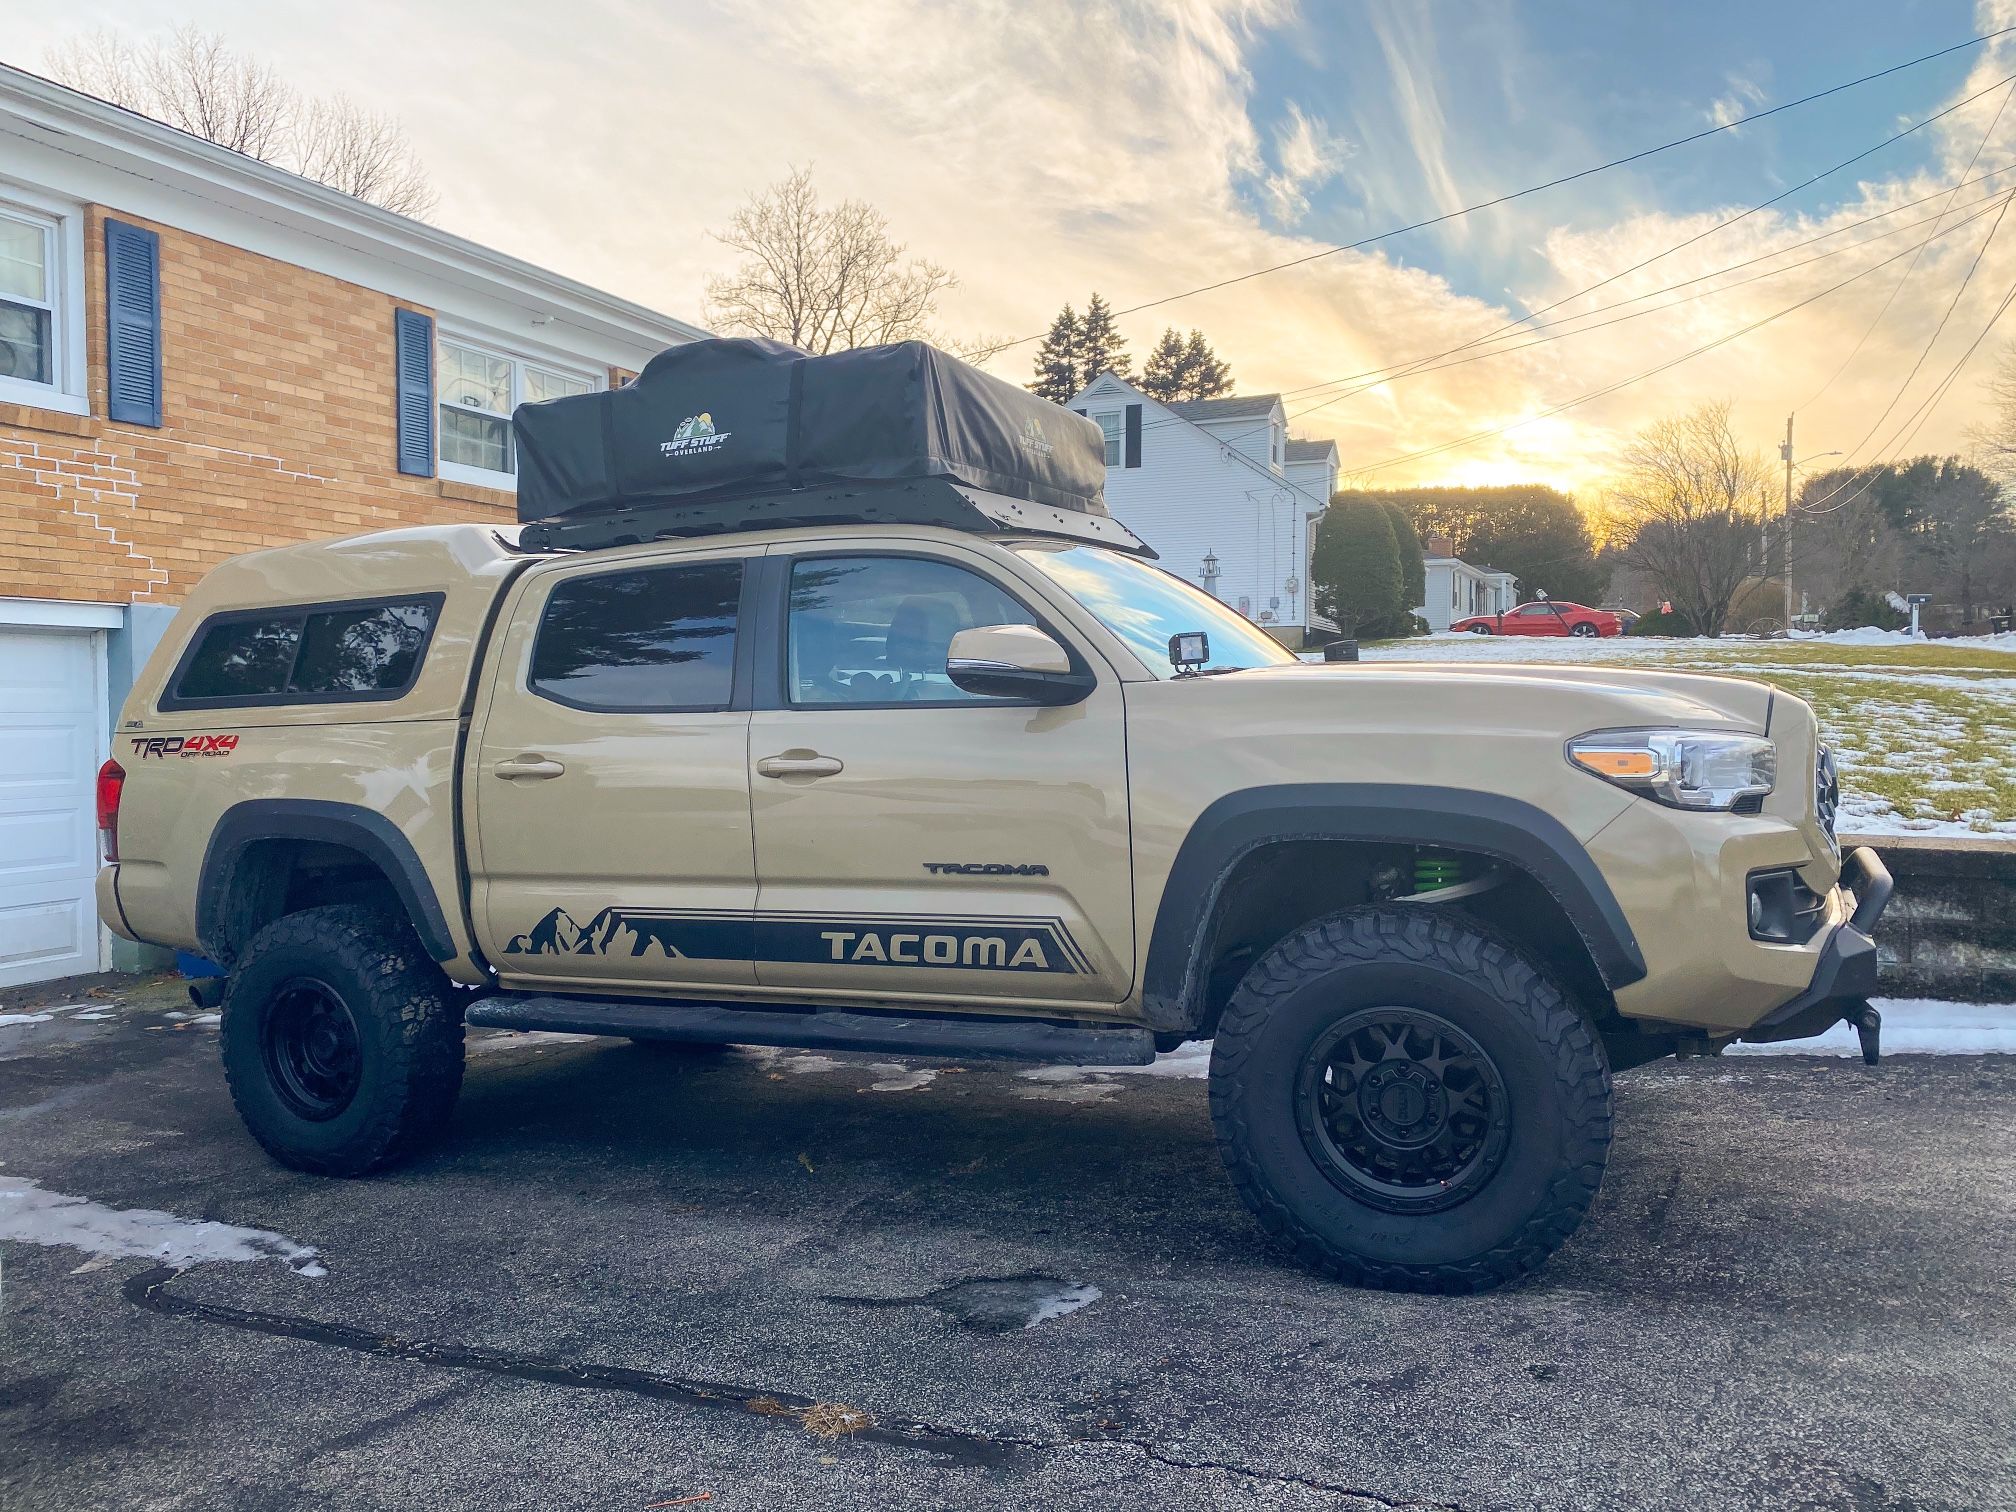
pixel 1845 977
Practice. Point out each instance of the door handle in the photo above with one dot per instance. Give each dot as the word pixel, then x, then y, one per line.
pixel 800 764
pixel 528 766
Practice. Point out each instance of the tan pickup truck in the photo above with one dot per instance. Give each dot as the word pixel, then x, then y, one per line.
pixel 951 775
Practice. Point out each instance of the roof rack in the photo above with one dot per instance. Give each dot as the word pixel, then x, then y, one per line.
pixel 917 501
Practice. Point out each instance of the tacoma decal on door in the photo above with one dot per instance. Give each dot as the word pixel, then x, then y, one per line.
pixel 962 943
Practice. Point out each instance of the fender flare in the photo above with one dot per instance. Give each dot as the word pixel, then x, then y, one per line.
pixel 1508 829
pixel 370 834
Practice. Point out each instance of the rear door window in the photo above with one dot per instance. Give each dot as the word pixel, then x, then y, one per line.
pixel 309 653
pixel 656 639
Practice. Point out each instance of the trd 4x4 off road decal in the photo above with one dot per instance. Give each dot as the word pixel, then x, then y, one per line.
pixel 965 944
pixel 183 745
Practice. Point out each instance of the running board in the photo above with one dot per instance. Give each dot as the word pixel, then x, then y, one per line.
pixel 891 1034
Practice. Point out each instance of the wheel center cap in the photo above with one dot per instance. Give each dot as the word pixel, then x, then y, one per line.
pixel 1402 1102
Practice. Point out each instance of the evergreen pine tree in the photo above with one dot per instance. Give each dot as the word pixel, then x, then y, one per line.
pixel 1413 567
pixel 1205 374
pixel 1163 376
pixel 1057 366
pixel 1101 348
pixel 1355 568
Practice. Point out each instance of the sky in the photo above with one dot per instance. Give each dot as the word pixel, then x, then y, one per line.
pixel 1044 149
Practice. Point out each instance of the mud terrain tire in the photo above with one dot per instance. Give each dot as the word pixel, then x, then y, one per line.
pixel 342 1041
pixel 1406 1102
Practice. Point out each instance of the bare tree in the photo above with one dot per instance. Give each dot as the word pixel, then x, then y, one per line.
pixel 1693 506
pixel 363 154
pixel 195 82
pixel 821 278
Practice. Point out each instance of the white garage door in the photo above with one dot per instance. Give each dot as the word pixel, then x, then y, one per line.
pixel 49 699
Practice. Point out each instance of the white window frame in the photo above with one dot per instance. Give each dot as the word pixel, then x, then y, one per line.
pixel 62 224
pixel 1116 438
pixel 487 477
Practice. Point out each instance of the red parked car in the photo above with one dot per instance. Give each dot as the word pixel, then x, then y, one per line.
pixel 1544 617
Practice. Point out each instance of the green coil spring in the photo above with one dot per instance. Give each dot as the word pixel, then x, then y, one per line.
pixel 1433 872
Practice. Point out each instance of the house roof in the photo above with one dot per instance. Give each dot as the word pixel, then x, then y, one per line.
pixel 49 114
pixel 1234 407
pixel 1310 451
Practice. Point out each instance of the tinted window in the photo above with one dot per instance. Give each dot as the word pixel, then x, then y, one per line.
pixel 352 652
pixel 877 629
pixel 657 638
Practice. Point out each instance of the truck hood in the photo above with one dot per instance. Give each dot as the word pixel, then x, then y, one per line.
pixel 1569 700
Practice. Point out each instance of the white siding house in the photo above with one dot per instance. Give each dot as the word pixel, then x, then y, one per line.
pixel 1456 589
pixel 1217 484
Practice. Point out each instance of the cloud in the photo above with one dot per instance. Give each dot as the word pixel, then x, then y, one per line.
pixel 1046 148
pixel 1744 96
pixel 1307 155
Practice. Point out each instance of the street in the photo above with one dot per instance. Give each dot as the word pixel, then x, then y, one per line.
pixel 746 1279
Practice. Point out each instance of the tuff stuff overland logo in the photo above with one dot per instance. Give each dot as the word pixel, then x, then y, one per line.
pixel 967 944
pixel 693 435
pixel 1033 439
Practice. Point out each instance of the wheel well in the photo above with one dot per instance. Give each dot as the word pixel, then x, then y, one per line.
pixel 1278 887
pixel 268 879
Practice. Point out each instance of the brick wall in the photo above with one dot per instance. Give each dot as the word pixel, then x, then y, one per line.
pixel 277 427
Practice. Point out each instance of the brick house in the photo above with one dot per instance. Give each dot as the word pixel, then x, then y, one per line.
pixel 202 355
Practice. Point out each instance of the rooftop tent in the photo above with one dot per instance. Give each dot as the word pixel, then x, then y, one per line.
pixel 728 417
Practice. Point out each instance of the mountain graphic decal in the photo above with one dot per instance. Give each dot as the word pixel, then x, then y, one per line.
pixel 608 933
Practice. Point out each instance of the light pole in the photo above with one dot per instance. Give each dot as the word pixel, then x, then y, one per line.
pixel 1785 529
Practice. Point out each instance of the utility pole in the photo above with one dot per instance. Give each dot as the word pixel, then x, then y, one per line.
pixel 1785 540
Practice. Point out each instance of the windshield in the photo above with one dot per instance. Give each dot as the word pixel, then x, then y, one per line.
pixel 1144 606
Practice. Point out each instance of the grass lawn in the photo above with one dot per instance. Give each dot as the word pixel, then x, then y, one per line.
pixel 1923 731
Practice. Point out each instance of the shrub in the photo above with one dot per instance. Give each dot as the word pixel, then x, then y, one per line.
pixel 1863 608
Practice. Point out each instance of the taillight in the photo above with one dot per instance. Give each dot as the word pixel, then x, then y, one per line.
pixel 111 783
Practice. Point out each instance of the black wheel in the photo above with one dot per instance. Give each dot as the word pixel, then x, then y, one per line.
pixel 1404 1101
pixel 1584 629
pixel 1480 629
pixel 342 1041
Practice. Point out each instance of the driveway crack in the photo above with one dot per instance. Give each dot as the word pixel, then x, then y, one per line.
pixel 150 1290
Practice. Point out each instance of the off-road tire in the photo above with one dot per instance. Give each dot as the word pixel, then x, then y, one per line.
pixel 408 1034
pixel 1550 1063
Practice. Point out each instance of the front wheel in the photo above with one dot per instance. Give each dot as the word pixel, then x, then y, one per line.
pixel 1480 629
pixel 342 1042
pixel 1404 1101
pixel 1584 629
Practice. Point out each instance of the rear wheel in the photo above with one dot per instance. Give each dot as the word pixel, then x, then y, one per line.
pixel 1586 627
pixel 1405 1101
pixel 342 1041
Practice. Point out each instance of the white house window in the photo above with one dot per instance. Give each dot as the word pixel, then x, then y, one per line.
pixel 1114 429
pixel 28 320
pixel 478 388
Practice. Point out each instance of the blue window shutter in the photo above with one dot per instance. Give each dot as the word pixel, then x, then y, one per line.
pixel 413 343
pixel 132 324
pixel 1133 443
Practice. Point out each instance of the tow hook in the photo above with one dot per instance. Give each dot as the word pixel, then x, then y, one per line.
pixel 1869 1029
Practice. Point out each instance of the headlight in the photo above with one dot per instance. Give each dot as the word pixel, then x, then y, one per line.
pixel 1688 769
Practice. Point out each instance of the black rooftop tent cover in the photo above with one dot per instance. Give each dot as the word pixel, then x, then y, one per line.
pixel 738 416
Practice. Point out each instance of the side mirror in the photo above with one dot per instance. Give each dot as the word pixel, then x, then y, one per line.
pixel 1014 661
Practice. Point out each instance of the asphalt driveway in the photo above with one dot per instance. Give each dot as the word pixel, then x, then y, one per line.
pixel 754 1279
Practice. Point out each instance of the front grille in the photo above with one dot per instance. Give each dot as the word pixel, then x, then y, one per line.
pixel 1826 790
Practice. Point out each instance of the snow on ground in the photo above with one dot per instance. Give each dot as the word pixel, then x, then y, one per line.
pixel 1921 729
pixel 1911 1026
pixel 32 1215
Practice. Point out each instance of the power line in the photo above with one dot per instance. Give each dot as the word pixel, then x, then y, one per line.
pixel 1623 383
pixel 1718 226
pixel 1408 368
pixel 1930 342
pixel 1555 183
pixel 1870 329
